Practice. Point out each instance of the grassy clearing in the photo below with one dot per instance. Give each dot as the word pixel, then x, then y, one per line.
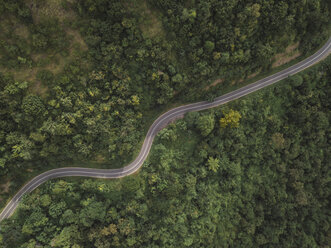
pixel 77 40
pixel 151 26
pixel 149 19
pixel 51 60
pixel 21 31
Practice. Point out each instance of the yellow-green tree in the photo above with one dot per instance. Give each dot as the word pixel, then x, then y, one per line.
pixel 213 164
pixel 231 119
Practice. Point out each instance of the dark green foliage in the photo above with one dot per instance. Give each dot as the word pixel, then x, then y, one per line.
pixel 92 105
pixel 209 46
pixel 205 123
pixel 16 49
pixel 33 106
pixel 263 183
pixel 244 34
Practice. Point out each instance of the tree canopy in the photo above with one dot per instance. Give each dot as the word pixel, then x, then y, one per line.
pixel 261 184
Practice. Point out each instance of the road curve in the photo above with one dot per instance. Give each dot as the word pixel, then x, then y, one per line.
pixel 158 124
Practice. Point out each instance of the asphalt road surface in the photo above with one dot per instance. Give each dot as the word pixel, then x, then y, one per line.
pixel 158 124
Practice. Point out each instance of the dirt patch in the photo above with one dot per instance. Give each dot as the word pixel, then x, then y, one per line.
pixel 22 74
pixel 7 24
pixel 57 64
pixel 76 40
pixel 21 31
pixel 233 82
pixel 39 89
pixel 285 60
pixel 290 53
pixel 254 74
pixel 216 82
pixel 99 158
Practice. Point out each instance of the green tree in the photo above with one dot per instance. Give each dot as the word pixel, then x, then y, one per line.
pixel 177 78
pixel 93 211
pixel 205 124
pixel 68 237
pixel 209 46
pixel 33 106
pixel 213 164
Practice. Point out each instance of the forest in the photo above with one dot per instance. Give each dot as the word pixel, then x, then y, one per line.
pixel 253 173
pixel 81 81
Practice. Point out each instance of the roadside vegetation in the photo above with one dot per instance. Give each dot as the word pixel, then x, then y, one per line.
pixel 252 173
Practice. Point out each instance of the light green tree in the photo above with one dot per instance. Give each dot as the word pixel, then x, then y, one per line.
pixel 213 164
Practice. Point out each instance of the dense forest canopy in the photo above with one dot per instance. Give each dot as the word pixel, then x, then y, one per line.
pixel 78 79
pixel 254 173
pixel 81 81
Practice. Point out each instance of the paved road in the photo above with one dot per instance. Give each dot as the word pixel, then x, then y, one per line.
pixel 158 124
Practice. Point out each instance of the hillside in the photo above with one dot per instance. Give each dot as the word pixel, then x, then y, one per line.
pixel 253 173
pixel 81 81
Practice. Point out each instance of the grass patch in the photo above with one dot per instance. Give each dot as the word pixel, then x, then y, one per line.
pixel 152 26
pixel 77 41
pixel 39 89
pixel 149 18
pixel 13 32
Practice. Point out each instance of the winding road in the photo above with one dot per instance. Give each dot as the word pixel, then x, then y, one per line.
pixel 158 124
